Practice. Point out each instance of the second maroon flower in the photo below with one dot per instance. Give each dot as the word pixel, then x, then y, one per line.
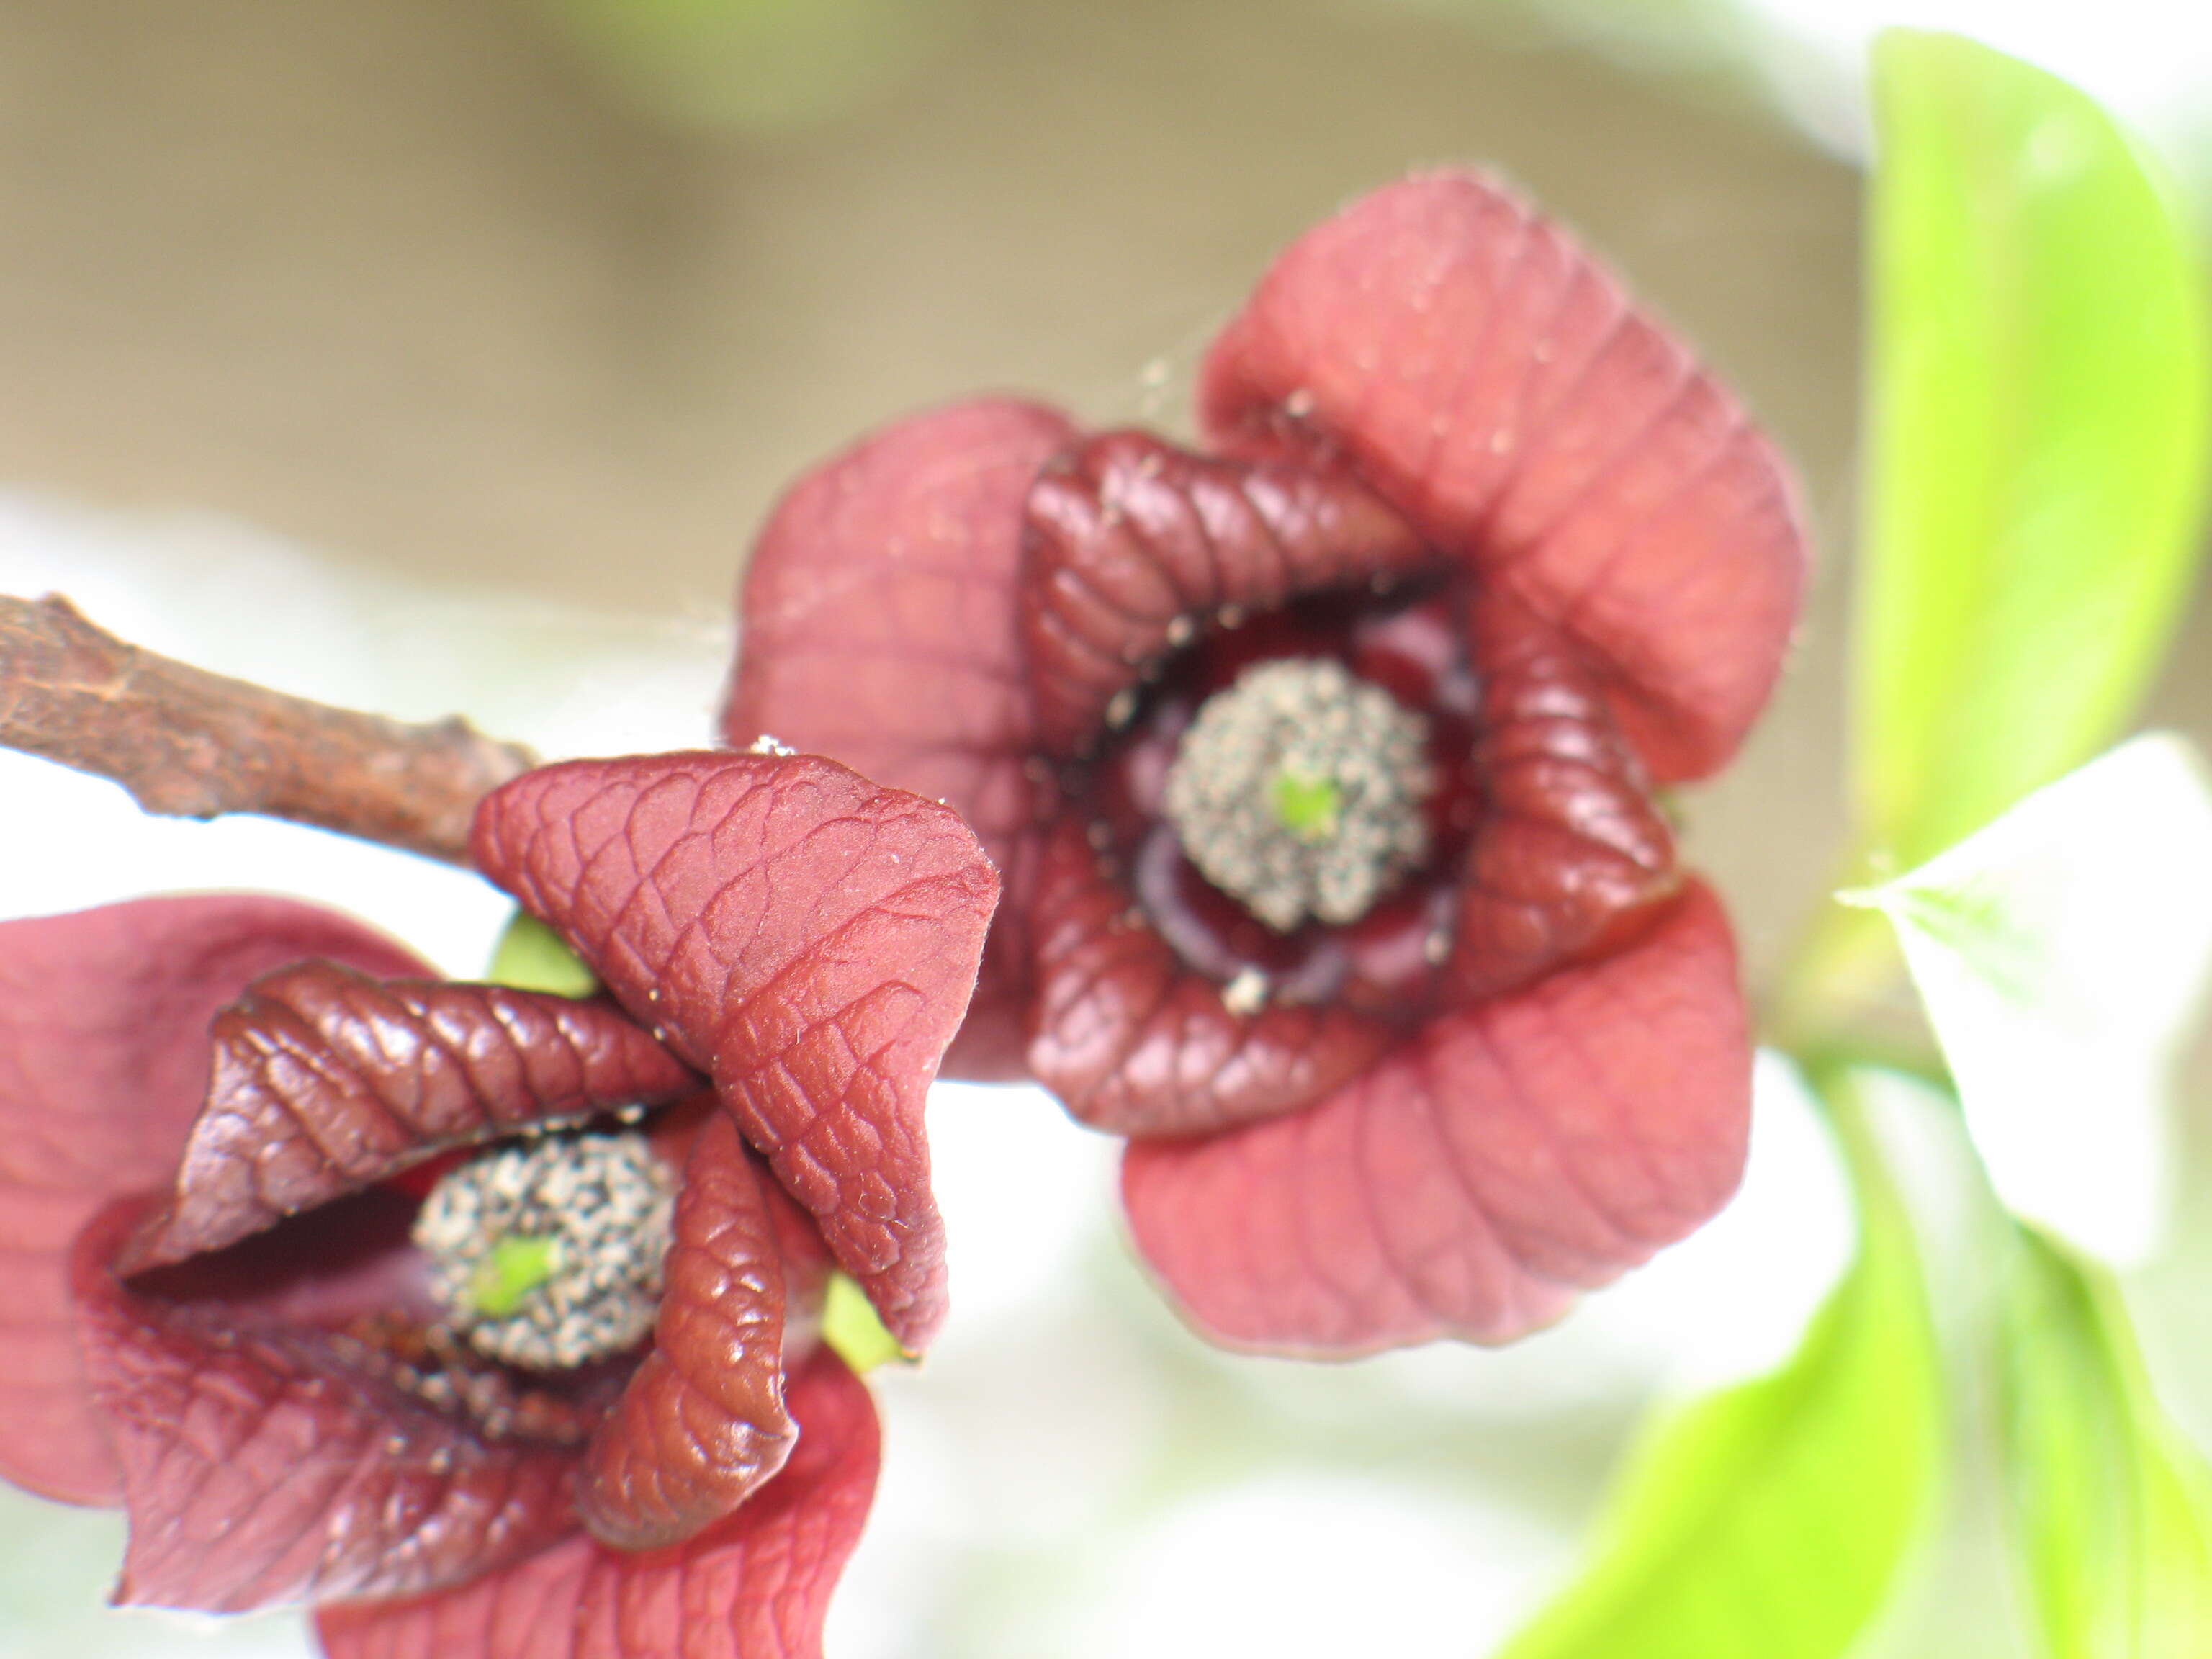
pixel 1320 764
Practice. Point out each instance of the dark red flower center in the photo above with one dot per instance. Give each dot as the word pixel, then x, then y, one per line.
pixel 1176 989
pixel 409 1284
pixel 1380 952
pixel 1299 790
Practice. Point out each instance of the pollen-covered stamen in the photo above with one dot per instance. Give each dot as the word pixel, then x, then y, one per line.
pixel 1299 791
pixel 549 1255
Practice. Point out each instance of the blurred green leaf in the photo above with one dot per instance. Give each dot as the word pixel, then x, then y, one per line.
pixel 531 957
pixel 753 63
pixel 1768 1521
pixel 2112 1509
pixel 2063 952
pixel 850 1326
pixel 2036 436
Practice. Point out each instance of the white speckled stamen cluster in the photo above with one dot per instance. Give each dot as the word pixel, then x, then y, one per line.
pixel 606 1200
pixel 1309 720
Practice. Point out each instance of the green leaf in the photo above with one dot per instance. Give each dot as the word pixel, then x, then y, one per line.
pixel 2037 438
pixel 2063 953
pixel 1768 1521
pixel 531 957
pixel 752 63
pixel 851 1327
pixel 2112 1507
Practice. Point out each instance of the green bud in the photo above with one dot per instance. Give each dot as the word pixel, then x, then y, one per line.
pixel 531 957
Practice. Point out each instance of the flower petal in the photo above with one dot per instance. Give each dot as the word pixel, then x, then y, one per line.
pixel 1133 543
pixel 754 1586
pixel 878 625
pixel 1134 1042
pixel 327 1080
pixel 702 1422
pixel 808 940
pixel 1570 843
pixel 103 1062
pixel 1468 1183
pixel 1495 384
pixel 261 1465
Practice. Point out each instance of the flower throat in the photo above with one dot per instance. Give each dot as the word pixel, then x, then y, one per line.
pixel 549 1255
pixel 1301 791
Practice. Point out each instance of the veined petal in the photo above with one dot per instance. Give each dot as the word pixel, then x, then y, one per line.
pixel 754 1586
pixel 1135 544
pixel 327 1080
pixel 806 938
pixel 103 1064
pixel 1496 385
pixel 879 624
pixel 1569 845
pixel 1470 1181
pixel 702 1422
pixel 1134 1042
pixel 264 1464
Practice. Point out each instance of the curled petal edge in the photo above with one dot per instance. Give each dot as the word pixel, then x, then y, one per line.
pixel 103 1064
pixel 701 1424
pixel 1495 384
pixel 806 938
pixel 1134 1042
pixel 896 565
pixel 1470 1183
pixel 327 1080
pixel 265 1465
pixel 754 1586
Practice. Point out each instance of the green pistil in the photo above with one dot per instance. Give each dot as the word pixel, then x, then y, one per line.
pixel 1299 791
pixel 1307 807
pixel 514 1267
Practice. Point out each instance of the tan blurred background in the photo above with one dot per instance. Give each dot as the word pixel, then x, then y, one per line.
pixel 485 288
pixel 558 293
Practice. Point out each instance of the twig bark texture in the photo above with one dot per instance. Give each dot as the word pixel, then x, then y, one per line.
pixel 189 743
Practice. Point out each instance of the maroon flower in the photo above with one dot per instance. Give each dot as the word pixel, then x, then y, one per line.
pixel 356 1313
pixel 1320 765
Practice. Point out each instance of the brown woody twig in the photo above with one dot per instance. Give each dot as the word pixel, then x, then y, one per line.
pixel 189 743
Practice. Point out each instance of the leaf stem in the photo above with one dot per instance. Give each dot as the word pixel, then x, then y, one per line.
pixel 1844 999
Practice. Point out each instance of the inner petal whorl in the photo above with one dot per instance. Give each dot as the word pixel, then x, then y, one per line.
pixel 1300 790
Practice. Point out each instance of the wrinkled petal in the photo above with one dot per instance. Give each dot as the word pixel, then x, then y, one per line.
pixel 1570 843
pixel 878 625
pixel 103 1063
pixel 806 938
pixel 326 1080
pixel 754 1586
pixel 1495 384
pixel 1136 1044
pixel 1469 1182
pixel 702 1422
pixel 1136 545
pixel 263 1464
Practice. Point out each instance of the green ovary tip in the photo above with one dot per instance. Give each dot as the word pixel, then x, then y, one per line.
pixel 1307 807
pixel 515 1266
